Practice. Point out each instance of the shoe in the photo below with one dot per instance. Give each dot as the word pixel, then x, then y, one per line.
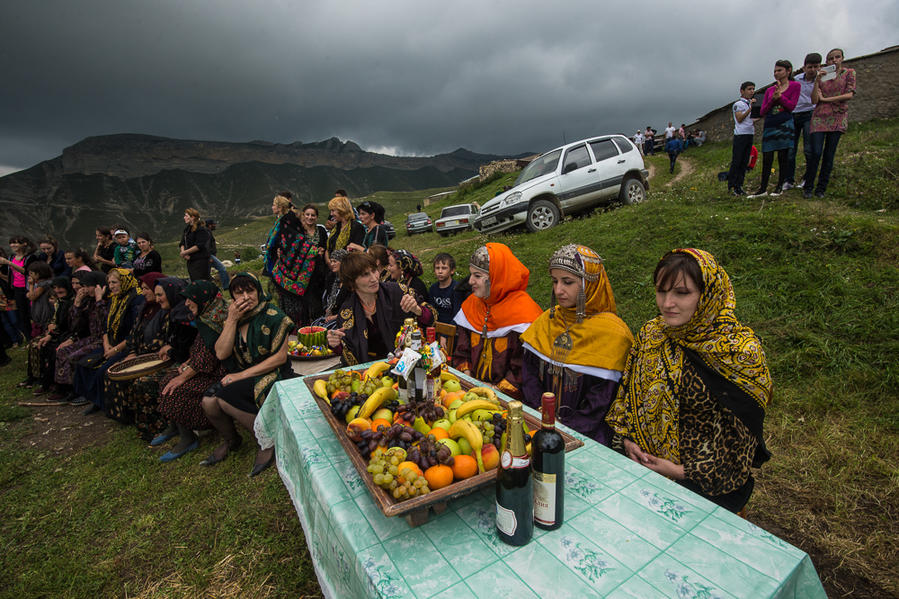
pixel 26 384
pixel 787 186
pixel 775 193
pixel 163 437
pixel 741 191
pixel 806 194
pixel 212 460
pixel 801 183
pixel 92 409
pixel 41 390
pixel 58 398
pixel 760 193
pixel 171 455
pixel 79 401
pixel 819 194
pixel 260 468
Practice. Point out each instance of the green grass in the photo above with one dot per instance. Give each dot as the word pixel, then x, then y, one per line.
pixel 818 280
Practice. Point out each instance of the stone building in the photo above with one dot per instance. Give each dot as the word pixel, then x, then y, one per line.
pixel 876 77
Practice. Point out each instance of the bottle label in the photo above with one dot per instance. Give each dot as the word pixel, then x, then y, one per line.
pixel 506 522
pixel 544 498
pixel 508 462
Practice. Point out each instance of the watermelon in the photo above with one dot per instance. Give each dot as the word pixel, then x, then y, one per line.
pixel 310 336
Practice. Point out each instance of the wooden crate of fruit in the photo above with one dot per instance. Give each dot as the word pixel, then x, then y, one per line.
pixel 407 428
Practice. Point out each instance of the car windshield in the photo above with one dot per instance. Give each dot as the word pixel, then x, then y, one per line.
pixel 417 216
pixel 455 211
pixel 541 166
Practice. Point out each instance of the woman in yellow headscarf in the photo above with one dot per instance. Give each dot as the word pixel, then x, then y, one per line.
pixel 693 397
pixel 577 349
pixel 493 317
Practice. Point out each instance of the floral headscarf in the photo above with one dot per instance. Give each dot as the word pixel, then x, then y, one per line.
pixel 408 263
pixel 118 304
pixel 212 310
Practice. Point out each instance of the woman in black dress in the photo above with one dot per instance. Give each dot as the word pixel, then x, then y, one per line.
pixel 195 245
pixel 148 260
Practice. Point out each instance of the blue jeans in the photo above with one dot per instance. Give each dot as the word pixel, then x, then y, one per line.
pixel 223 272
pixel 824 148
pixel 802 122
pixel 10 320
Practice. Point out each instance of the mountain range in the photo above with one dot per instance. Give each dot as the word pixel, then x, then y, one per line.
pixel 145 182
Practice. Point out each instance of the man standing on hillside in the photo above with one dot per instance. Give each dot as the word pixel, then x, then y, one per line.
pixel 649 146
pixel 669 131
pixel 802 118
pixel 638 140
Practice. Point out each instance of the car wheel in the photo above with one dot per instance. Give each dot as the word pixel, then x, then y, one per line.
pixel 542 215
pixel 632 192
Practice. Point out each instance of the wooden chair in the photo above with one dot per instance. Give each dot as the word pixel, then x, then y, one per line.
pixel 448 333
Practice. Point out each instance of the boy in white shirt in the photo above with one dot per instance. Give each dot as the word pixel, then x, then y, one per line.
pixel 744 129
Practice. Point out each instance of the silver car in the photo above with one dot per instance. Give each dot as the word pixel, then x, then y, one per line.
pixel 573 178
pixel 458 217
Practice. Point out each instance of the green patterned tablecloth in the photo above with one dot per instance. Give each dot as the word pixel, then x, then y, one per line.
pixel 628 532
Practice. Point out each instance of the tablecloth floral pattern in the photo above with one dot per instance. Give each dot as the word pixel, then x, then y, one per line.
pixel 628 532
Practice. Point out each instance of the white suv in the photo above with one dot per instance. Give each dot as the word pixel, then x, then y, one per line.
pixel 566 180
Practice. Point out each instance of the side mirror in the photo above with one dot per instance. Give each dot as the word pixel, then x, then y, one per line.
pixel 570 167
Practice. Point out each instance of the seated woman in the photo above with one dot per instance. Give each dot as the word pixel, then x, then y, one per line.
pixel 88 316
pixel 492 318
pixel 58 330
pixel 577 348
pixel 372 316
pixel 181 399
pixel 693 396
pixel 124 305
pixel 403 267
pixel 253 345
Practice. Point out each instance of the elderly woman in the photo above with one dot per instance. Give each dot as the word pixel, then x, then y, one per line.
pixel 372 316
pixel 195 242
pixel 181 399
pixel 347 230
pixel 403 267
pixel 253 345
pixel 493 317
pixel 577 348
pixel 696 384
pixel 125 303
pixel 294 257
pixel 89 314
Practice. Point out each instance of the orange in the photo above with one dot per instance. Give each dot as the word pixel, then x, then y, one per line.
pixel 379 422
pixel 407 465
pixel 439 476
pixel 452 396
pixel 464 466
pixel 439 433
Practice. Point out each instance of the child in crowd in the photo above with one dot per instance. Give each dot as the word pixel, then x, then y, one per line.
pixel 125 250
pixel 744 129
pixel 443 293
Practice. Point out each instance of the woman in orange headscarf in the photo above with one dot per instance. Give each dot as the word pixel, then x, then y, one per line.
pixel 492 318
pixel 577 349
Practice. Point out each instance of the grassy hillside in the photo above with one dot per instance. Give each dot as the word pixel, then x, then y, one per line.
pixel 818 280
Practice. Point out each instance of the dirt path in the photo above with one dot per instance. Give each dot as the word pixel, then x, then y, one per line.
pixel 63 430
pixel 686 167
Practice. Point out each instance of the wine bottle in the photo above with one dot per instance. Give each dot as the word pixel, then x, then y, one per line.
pixel 548 464
pixel 514 487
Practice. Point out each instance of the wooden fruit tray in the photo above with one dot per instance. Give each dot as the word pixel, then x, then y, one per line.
pixel 416 510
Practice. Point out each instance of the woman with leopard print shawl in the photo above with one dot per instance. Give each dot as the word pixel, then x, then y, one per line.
pixel 696 384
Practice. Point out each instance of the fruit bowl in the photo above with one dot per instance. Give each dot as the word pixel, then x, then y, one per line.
pixel 297 350
pixel 417 509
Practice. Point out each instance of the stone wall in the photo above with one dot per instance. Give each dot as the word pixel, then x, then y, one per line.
pixel 877 77
pixel 503 166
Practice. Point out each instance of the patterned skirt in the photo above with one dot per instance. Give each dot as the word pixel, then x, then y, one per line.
pixel 184 405
pixel 68 356
pixel 778 133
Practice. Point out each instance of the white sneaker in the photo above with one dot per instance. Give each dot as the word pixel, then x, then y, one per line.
pixel 775 193
pixel 757 195
pixel 787 186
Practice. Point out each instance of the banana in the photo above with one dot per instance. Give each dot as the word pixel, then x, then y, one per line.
pixel 487 392
pixel 320 388
pixel 464 428
pixel 474 404
pixel 375 401
pixel 376 370
pixel 446 375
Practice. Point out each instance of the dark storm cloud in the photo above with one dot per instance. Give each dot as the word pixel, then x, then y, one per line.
pixel 489 76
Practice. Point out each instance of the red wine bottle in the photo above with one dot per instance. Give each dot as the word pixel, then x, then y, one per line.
pixel 548 463
pixel 514 486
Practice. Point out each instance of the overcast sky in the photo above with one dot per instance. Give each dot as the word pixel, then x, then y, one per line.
pixel 406 77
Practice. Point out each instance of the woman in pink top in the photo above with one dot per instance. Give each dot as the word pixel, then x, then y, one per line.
pixel 777 136
pixel 22 255
pixel 829 120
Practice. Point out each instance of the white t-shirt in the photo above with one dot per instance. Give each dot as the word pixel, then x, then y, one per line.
pixel 669 132
pixel 638 138
pixel 746 126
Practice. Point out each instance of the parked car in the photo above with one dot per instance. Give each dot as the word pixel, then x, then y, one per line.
pixel 418 222
pixel 458 217
pixel 572 178
pixel 391 230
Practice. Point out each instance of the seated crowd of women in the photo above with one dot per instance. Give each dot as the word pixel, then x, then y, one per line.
pixel 686 399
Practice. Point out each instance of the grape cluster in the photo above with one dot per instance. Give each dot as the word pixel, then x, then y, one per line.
pixel 384 470
pixel 342 380
pixel 488 430
pixel 397 435
pixel 427 409
pixel 499 427
pixel 340 407
pixel 430 453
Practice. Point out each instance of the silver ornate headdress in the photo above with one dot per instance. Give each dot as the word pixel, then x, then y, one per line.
pixel 480 260
pixel 583 263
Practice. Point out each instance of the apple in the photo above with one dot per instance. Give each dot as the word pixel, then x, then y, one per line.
pixel 464 446
pixel 386 381
pixel 384 413
pixel 443 423
pixel 490 456
pixel 454 447
pixel 452 385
